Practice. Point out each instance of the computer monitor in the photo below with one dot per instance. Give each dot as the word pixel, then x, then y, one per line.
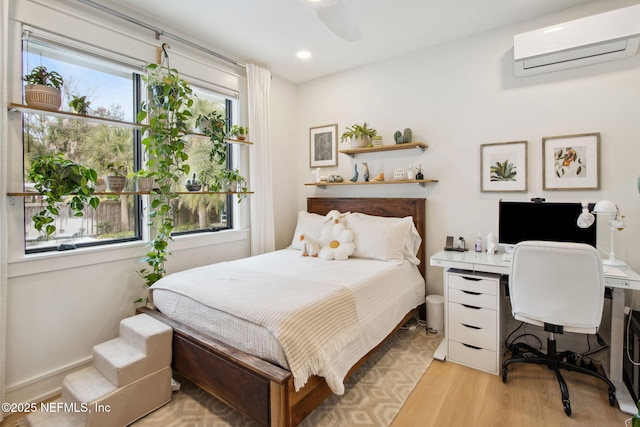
pixel 549 221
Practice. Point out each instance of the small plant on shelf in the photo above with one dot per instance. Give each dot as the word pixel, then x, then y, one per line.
pixel 239 132
pixel 359 135
pixel 41 76
pixel 117 179
pixel 55 178
pixel 80 104
pixel 143 179
pixel 43 88
pixel 230 180
pixel 193 184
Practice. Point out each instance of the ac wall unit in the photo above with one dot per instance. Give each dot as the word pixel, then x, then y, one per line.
pixel 598 38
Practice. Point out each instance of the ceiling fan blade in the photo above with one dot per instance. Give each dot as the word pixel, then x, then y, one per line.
pixel 339 19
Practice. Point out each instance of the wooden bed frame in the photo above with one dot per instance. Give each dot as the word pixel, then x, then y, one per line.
pixel 259 389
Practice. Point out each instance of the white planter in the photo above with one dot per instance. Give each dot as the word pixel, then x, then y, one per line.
pixel 144 184
pixel 365 141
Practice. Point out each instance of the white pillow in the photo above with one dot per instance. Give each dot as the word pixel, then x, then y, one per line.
pixel 384 238
pixel 386 229
pixel 309 223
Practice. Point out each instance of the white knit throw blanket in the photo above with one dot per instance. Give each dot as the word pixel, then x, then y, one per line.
pixel 311 320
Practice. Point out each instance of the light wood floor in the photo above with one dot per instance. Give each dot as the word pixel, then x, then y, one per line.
pixel 453 395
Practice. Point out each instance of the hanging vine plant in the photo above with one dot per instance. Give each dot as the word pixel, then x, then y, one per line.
pixel 166 115
pixel 213 125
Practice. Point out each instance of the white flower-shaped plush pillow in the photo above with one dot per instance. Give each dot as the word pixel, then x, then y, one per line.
pixel 340 246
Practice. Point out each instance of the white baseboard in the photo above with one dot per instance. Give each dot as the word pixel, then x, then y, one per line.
pixel 45 386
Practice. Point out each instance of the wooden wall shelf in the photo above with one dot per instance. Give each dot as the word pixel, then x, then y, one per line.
pixel 140 193
pixel 229 140
pixel 68 115
pixel 407 146
pixel 323 184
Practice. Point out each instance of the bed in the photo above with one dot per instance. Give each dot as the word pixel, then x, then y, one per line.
pixel 263 386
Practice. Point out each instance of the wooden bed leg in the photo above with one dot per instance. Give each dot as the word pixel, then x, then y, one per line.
pixel 280 416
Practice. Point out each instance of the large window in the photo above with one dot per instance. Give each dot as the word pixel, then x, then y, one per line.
pixel 115 92
pixel 204 212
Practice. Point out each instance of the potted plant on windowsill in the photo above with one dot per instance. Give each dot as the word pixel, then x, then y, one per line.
pixel 43 88
pixel 117 180
pixel 239 132
pixel 193 184
pixel 55 178
pixel 143 179
pixel 80 104
pixel 230 180
pixel 360 135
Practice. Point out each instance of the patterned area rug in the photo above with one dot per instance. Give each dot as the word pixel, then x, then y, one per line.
pixel 373 395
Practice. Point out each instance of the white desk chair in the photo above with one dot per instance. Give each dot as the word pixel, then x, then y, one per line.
pixel 559 286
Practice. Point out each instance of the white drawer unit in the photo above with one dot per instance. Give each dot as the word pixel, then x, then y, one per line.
pixel 473 331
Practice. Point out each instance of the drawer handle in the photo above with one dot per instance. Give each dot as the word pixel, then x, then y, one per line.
pixel 471 306
pixel 473 279
pixel 472 346
pixel 470 326
pixel 472 293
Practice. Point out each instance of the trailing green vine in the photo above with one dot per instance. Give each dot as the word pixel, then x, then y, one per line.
pixel 167 116
pixel 213 125
pixel 56 177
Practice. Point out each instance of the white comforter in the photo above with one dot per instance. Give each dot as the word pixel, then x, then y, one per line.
pixel 383 294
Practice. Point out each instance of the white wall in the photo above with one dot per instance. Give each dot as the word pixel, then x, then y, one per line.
pixel 284 155
pixel 458 96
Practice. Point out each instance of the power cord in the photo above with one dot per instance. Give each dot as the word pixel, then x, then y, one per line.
pixel 633 362
pixel 413 326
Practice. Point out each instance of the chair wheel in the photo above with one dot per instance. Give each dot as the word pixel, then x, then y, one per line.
pixel 504 375
pixel 612 398
pixel 567 407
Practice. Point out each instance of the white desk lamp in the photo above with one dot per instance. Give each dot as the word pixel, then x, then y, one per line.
pixel 615 222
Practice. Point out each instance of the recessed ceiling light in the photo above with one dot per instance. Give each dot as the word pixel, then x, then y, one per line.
pixel 303 54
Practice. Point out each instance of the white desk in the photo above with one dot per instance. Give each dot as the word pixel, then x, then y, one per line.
pixel 483 262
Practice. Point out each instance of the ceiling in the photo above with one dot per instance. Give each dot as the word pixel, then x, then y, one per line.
pixel 270 32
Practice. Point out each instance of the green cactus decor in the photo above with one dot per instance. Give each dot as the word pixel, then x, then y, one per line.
pixel 408 135
pixel 398 137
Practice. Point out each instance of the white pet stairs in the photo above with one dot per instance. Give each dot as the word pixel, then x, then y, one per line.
pixel 130 377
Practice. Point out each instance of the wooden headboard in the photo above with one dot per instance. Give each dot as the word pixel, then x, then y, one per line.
pixel 391 207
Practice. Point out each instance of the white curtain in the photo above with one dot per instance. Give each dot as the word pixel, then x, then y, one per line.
pixel 262 216
pixel 4 99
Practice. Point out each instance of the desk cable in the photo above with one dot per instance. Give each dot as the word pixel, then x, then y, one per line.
pixel 628 332
pixel 576 358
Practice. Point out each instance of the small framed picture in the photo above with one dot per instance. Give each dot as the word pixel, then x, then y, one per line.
pixel 571 162
pixel 503 167
pixel 323 146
